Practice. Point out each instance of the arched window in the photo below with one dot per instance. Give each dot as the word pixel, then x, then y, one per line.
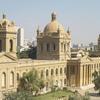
pixel 0 45
pixel 3 80
pixel 56 71
pixel 41 73
pixel 65 70
pixel 47 73
pixel 61 47
pixel 64 47
pixel 60 70
pixel 52 72
pixel 18 77
pixel 65 81
pixel 48 47
pixel 56 82
pixel 11 78
pixel 11 45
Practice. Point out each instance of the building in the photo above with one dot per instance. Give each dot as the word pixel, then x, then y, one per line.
pixel 20 39
pixel 54 63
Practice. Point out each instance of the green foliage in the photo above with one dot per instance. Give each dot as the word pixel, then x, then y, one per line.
pixel 86 96
pixel 31 82
pixel 65 88
pixel 22 95
pixel 96 80
pixel 77 96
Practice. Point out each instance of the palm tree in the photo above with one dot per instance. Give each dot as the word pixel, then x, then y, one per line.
pixel 31 82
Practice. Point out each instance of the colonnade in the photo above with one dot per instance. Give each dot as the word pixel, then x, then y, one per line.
pixel 86 72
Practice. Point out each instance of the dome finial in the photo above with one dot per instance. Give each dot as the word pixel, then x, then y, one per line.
pixel 53 15
pixel 4 16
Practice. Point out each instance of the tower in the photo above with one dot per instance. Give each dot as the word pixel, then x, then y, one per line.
pixel 54 42
pixel 7 36
pixel 20 39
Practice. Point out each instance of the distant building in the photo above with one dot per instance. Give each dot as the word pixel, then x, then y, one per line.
pixel 20 39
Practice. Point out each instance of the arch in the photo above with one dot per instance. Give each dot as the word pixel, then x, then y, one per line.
pixel 18 77
pixel 41 73
pixel 65 70
pixel 48 47
pixel 3 80
pixel 61 47
pixel 52 72
pixel 0 45
pixel 64 47
pixel 60 70
pixel 47 72
pixel 11 45
pixel 11 78
pixel 65 81
pixel 56 71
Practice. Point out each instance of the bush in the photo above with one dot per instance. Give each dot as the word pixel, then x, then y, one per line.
pixel 65 89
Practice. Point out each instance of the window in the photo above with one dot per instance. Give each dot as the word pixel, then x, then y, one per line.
pixel 65 81
pixel 18 77
pixel 72 71
pixel 41 47
pixel 47 73
pixel 56 71
pixel 11 45
pixel 65 70
pixel 41 73
pixel 48 47
pixel 3 80
pixel 12 79
pixel 61 46
pixel 64 47
pixel 0 45
pixel 60 70
pixel 54 47
pixel 52 72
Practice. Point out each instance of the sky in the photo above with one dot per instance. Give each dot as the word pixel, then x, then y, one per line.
pixel 81 16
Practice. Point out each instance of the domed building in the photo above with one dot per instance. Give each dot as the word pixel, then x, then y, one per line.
pixel 54 42
pixel 54 63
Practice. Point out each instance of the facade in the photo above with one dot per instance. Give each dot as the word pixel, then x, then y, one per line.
pixel 54 63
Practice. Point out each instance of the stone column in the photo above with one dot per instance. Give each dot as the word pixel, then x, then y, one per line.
pixel 81 75
pixel 84 74
pixel 86 77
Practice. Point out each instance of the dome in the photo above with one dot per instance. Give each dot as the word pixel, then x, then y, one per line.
pixel 53 26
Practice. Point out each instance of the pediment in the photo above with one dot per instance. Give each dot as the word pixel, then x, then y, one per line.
pixel 7 58
pixel 86 59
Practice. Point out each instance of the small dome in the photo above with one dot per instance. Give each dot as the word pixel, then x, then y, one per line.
pixel 54 25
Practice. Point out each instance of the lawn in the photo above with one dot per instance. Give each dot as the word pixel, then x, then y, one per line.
pixel 53 95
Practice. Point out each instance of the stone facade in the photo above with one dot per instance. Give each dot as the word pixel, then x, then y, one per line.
pixel 54 63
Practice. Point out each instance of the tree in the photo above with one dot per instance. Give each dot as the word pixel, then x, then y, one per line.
pixel 30 53
pixel 21 95
pixel 31 82
pixel 96 80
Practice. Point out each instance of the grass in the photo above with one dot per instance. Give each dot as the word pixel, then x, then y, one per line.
pixel 53 95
